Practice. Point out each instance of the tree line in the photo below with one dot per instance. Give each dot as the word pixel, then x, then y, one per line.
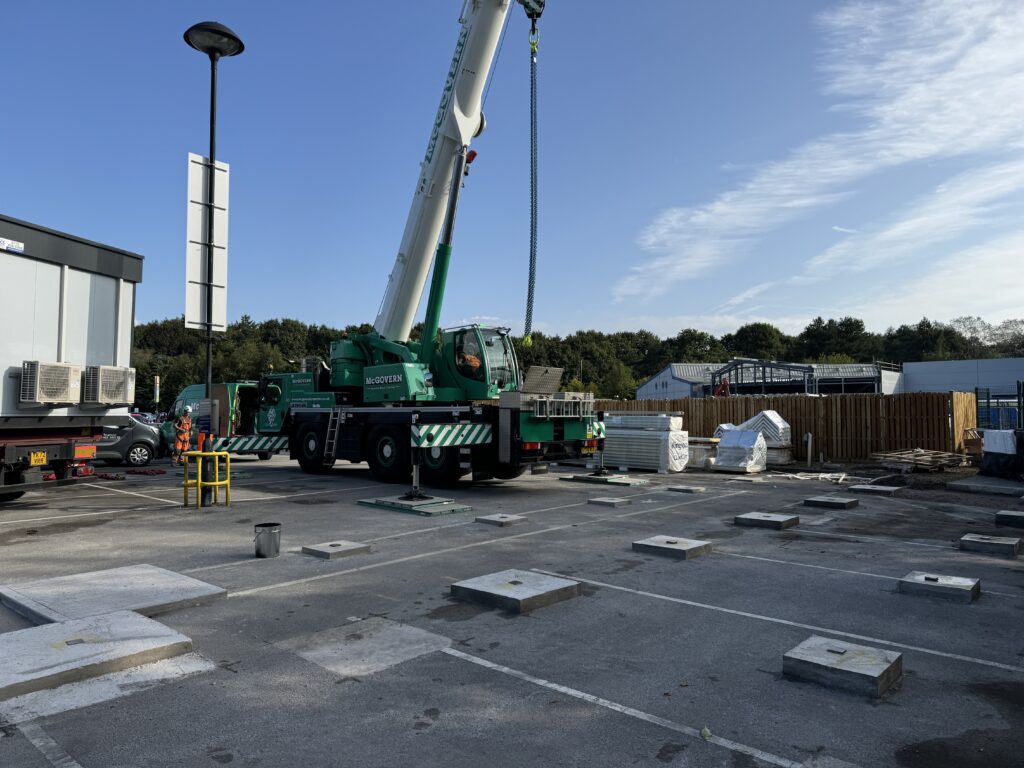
pixel 609 364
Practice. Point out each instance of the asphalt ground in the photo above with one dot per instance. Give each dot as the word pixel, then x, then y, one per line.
pixel 658 662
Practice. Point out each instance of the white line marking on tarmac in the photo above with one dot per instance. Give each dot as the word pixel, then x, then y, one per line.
pixel 472 545
pixel 877 539
pixel 839 570
pixel 308 493
pixel 624 710
pixel 786 622
pixel 49 748
pixel 60 517
pixel 131 493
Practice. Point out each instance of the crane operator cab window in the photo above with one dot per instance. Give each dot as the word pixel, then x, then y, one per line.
pixel 468 357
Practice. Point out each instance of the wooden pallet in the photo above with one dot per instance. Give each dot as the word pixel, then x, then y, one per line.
pixel 920 460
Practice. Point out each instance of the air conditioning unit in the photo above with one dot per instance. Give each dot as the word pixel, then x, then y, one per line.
pixel 109 385
pixel 50 383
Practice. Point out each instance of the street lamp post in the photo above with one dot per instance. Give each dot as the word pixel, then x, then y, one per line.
pixel 216 41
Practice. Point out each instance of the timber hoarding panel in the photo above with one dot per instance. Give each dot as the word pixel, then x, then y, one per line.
pixel 844 426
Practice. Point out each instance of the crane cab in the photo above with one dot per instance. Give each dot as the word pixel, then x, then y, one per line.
pixel 475 363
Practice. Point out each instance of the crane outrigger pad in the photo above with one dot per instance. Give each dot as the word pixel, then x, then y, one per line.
pixel 428 506
pixel 605 479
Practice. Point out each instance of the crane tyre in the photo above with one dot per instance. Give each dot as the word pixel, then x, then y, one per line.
pixel 389 454
pixel 10 496
pixel 440 467
pixel 310 441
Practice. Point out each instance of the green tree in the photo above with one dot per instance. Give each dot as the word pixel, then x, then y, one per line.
pixel 758 340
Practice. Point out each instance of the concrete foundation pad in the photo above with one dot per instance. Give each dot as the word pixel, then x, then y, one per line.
pixel 767 520
pixel 831 502
pixel 983 484
pixel 605 479
pixel 501 520
pixel 875 490
pixel 609 501
pixel 991 545
pixel 673 546
pixel 54 654
pixel 838 664
pixel 145 589
pixel 428 507
pixel 1010 518
pixel 330 550
pixel 686 488
pixel 516 591
pixel 364 647
pixel 935 585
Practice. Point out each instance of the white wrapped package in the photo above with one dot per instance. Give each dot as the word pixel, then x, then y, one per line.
pixel 654 421
pixel 721 429
pixel 741 451
pixel 775 429
pixel 999 441
pixel 647 449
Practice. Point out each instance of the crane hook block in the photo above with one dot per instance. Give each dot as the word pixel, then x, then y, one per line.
pixel 533 8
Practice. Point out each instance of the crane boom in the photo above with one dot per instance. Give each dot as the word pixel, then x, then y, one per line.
pixel 459 119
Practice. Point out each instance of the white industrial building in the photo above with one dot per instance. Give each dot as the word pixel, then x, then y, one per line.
pixel 751 377
pixel 998 375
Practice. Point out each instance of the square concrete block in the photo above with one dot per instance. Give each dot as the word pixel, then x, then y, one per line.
pixel 143 588
pixel 431 506
pixel 516 591
pixel 609 501
pixel 935 585
pixel 329 550
pixel 991 545
pixel 500 520
pixel 767 520
pixel 838 664
pixel 831 502
pixel 44 657
pixel 875 490
pixel 686 488
pixel 673 546
pixel 605 479
pixel 1010 518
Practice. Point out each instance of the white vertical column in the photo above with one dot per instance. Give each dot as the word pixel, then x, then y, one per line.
pixel 62 316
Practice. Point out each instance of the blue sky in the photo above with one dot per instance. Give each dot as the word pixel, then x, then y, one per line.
pixel 701 164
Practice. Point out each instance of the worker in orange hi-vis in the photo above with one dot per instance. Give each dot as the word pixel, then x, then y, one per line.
pixel 182 434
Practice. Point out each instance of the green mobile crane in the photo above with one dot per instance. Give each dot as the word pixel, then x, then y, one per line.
pixel 458 393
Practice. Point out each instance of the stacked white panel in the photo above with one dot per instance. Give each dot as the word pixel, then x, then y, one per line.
pixel 659 450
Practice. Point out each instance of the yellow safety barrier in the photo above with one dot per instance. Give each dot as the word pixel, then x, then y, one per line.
pixel 199 484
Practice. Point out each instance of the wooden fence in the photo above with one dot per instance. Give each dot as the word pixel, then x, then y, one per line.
pixel 844 426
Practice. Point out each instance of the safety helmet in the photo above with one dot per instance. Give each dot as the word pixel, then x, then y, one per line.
pixel 188 409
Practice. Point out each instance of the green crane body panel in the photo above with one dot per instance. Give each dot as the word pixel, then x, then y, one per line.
pixel 396 382
pixel 281 391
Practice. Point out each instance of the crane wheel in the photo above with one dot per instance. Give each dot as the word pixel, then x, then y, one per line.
pixel 440 467
pixel 389 454
pixel 310 449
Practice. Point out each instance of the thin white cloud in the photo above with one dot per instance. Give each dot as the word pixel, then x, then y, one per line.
pixel 967 202
pixel 928 80
pixel 983 280
pixel 844 230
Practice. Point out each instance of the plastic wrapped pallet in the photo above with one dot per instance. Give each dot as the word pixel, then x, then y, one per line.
pixel 701 449
pixel 662 422
pixel 661 451
pixel 778 457
pixel 721 429
pixel 741 451
pixel 775 429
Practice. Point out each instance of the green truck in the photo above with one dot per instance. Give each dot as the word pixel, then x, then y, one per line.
pixel 457 395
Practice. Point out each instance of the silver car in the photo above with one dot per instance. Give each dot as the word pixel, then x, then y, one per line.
pixel 136 444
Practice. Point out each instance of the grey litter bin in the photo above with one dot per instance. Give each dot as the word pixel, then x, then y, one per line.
pixel 268 539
